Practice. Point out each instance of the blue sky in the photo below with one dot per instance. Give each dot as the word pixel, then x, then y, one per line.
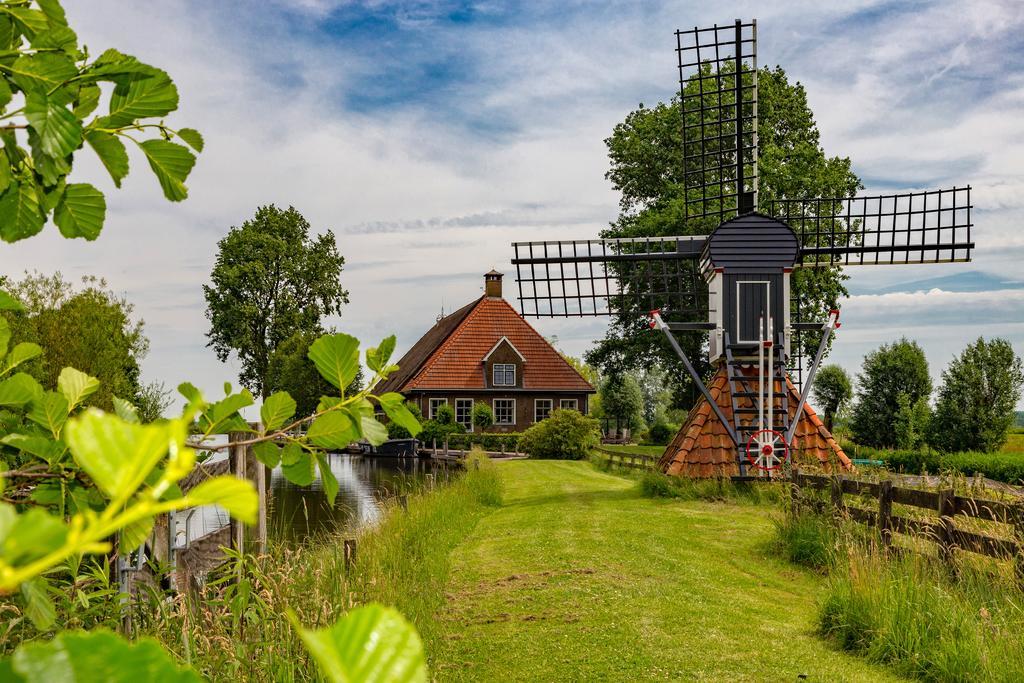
pixel 430 135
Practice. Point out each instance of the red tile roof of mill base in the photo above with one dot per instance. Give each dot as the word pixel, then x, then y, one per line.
pixel 702 449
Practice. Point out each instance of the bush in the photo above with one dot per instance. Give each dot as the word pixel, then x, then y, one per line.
pixel 438 431
pixel 488 441
pixel 808 540
pixel 660 434
pixel 657 485
pixel 565 435
pixel 482 416
pixel 1004 467
pixel 444 415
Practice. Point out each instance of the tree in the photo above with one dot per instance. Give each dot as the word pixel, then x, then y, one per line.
pixel 891 371
pixel 49 92
pixel 832 391
pixel 645 151
pixel 290 369
pixel 912 422
pixel 656 392
pixel 977 401
pixel 270 280
pixel 91 329
pixel 622 400
pixel 483 416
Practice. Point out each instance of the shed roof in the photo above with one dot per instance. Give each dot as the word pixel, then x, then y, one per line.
pixel 752 241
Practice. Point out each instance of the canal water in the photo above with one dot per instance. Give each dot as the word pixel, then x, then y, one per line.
pixel 296 513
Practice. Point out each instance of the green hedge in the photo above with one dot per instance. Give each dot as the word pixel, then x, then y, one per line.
pixel 1005 467
pixel 486 440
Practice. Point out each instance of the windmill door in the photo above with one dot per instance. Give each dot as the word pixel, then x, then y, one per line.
pixel 753 299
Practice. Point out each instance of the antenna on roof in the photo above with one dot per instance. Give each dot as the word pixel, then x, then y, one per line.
pixel 440 316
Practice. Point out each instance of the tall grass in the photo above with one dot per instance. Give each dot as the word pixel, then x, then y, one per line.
pixel 237 630
pixel 657 485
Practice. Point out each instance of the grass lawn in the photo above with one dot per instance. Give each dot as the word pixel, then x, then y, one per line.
pixel 638 450
pixel 578 578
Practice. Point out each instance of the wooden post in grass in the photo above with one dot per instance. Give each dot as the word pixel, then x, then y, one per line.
pixel 837 493
pixel 350 553
pixel 236 465
pixel 885 512
pixel 1018 535
pixel 945 530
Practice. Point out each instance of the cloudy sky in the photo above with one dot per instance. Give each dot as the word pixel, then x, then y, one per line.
pixel 430 135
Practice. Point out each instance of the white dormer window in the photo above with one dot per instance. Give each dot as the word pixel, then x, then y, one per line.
pixel 504 375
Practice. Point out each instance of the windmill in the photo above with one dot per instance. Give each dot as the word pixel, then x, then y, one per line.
pixel 734 284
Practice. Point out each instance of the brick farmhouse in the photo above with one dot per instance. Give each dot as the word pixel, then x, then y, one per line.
pixel 485 352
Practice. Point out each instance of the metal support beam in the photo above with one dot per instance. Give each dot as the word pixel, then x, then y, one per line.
pixel 656 321
pixel 827 329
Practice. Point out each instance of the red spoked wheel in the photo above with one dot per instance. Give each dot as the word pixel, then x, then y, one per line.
pixel 767 450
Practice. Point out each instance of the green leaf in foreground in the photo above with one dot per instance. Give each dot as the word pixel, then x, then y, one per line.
pixel 192 137
pixel 38 604
pixel 25 351
pixel 111 152
pixel 276 410
pixel 171 163
pixel 235 495
pixel 96 657
pixel 297 465
pixel 369 644
pixel 76 386
pixel 9 303
pixel 20 213
pixel 333 430
pixel 80 211
pixel 336 357
pixel 396 410
pixel 18 390
pixel 267 453
pixel 327 478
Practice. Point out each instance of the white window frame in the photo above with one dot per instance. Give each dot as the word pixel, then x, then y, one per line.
pixel 739 312
pixel 504 367
pixel 431 407
pixel 563 401
pixel 469 425
pixel 536 407
pixel 494 408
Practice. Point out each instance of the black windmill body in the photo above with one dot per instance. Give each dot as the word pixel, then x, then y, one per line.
pixel 735 284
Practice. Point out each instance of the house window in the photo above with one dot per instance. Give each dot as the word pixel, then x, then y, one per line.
pixel 504 375
pixel 464 413
pixel 504 411
pixel 541 409
pixel 435 403
pixel 568 404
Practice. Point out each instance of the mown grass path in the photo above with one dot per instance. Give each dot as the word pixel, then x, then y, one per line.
pixel 578 578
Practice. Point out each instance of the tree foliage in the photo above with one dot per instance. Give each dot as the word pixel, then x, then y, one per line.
pixel 833 390
pixel 889 372
pixel 564 435
pixel 291 370
pixel 55 99
pixel 271 280
pixel 622 400
pixel 645 151
pixel 483 416
pixel 91 329
pixel 977 401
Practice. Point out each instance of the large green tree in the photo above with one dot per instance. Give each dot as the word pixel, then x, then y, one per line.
pixel 892 384
pixel 271 280
pixel 622 400
pixel 91 329
pixel 833 390
pixel 978 398
pixel 645 152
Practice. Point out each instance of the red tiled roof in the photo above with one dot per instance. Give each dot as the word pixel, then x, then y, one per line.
pixel 702 448
pixel 455 362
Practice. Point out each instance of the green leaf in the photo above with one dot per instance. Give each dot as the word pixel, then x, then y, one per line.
pixel 377 358
pixel 371 643
pixel 30 21
pixel 49 411
pixel 297 467
pixel 111 152
pixel 53 11
pixel 20 214
pixel 48 449
pixel 192 137
pixel 374 431
pixel 76 386
pixel 38 603
pixel 336 357
pixel 56 38
pixel 5 336
pixel 97 656
pixel 149 93
pixel 333 430
pixel 171 163
pixel 291 453
pixel 278 408
pixel 18 390
pixel 125 410
pixel 118 455
pixel 81 211
pixel 116 66
pixel 87 101
pixel 9 303
pixel 32 535
pixel 267 452
pixel 42 71
pixel 5 93
pixel 223 415
pixel 235 495
pixel 135 534
pixel 327 478
pixel 21 353
pixel 190 392
pixel 59 130
pixel 396 410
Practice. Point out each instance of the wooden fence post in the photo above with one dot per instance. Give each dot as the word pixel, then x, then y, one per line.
pixel 837 493
pixel 446 446
pixel 946 511
pixel 1018 535
pixel 236 465
pixel 885 512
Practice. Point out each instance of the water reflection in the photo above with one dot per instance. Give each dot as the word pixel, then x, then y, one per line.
pixel 297 512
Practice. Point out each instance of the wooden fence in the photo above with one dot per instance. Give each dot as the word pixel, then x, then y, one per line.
pixel 637 460
pixel 941 529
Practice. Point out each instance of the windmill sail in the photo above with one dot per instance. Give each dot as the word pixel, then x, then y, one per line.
pixel 718 100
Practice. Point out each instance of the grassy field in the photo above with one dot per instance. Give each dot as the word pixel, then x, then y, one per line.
pixel 578 577
pixel 635 449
